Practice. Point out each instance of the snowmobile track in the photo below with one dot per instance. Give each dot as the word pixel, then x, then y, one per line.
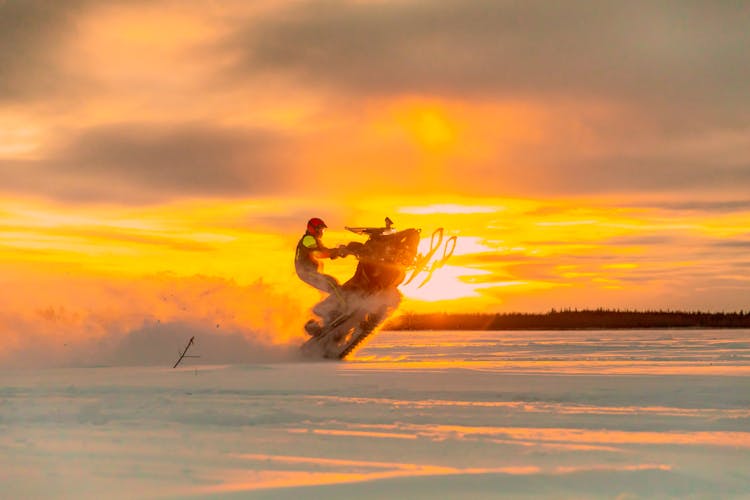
pixel 365 334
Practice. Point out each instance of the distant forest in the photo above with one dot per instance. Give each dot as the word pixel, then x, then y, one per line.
pixel 570 319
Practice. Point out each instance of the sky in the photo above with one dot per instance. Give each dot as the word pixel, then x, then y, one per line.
pixel 159 159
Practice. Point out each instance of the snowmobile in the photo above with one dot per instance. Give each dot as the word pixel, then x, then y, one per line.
pixel 372 294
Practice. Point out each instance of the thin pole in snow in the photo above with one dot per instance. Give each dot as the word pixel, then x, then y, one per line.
pixel 184 352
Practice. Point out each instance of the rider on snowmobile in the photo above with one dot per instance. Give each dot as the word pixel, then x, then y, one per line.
pixel 307 264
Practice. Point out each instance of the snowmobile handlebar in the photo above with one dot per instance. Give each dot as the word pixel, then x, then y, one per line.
pixel 351 248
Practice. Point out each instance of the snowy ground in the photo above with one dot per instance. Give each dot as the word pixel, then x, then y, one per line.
pixel 414 415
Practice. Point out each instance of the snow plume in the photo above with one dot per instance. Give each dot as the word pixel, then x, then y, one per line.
pixel 70 320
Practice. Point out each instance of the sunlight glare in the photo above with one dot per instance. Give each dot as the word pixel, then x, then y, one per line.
pixel 445 284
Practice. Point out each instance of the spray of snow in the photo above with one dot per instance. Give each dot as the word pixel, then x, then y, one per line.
pixel 90 321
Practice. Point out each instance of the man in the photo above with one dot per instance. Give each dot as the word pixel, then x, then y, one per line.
pixel 310 250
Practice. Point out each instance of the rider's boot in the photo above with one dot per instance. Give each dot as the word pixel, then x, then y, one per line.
pixel 313 327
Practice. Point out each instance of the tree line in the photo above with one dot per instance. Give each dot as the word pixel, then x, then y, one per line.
pixel 570 319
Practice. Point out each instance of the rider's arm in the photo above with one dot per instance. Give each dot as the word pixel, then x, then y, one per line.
pixel 319 250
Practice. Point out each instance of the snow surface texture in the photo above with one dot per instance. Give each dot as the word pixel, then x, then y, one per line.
pixel 597 414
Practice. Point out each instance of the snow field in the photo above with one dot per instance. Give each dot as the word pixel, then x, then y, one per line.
pixel 651 414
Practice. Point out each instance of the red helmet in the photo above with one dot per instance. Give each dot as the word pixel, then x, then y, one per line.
pixel 315 225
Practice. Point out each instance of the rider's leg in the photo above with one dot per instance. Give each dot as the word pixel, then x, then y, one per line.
pixel 329 285
pixel 324 283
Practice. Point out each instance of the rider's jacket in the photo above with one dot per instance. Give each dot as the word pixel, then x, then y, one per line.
pixel 304 260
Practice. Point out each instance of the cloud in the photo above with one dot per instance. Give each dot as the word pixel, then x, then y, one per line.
pixel 734 243
pixel 665 53
pixel 570 164
pixel 647 172
pixel 31 34
pixel 662 239
pixel 539 98
pixel 140 162
pixel 698 206
pixel 636 97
